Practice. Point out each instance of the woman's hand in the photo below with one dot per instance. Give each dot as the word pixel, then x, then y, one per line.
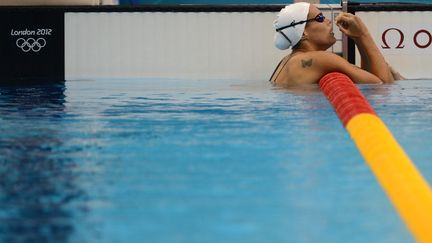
pixel 371 57
pixel 351 25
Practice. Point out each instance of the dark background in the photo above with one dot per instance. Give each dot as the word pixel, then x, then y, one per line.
pixel 48 63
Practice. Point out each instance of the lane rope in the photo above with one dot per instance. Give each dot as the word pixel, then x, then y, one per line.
pixel 406 188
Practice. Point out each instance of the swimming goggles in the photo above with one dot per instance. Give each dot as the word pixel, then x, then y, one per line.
pixel 319 18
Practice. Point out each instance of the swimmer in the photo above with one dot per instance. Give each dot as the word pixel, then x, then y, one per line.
pixel 303 28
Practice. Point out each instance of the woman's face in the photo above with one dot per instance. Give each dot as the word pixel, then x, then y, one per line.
pixel 321 34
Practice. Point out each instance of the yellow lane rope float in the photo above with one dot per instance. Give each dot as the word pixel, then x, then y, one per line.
pixel 406 188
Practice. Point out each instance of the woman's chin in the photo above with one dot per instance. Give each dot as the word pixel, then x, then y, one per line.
pixel 333 40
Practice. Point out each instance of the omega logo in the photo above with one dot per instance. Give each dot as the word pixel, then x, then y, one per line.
pixel 420 33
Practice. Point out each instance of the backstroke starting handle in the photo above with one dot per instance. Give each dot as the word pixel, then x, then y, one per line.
pixel 407 189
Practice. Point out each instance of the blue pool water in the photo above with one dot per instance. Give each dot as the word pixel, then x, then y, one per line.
pixel 197 161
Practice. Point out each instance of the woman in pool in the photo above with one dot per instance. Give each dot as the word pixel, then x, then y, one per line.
pixel 302 27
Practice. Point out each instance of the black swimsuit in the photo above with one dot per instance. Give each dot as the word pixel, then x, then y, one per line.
pixel 277 68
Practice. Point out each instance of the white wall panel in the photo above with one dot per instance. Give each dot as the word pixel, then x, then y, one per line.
pixel 411 59
pixel 207 45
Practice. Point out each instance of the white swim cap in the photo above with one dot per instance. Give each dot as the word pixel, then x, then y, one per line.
pixel 292 13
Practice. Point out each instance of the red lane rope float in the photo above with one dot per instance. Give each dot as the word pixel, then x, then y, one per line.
pixel 404 185
pixel 344 96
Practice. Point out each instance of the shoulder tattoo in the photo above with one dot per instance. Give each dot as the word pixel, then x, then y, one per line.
pixel 306 63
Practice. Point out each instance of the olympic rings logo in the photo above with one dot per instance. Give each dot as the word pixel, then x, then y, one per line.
pixel 31 44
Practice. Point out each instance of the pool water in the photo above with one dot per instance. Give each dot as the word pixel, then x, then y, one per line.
pixel 157 160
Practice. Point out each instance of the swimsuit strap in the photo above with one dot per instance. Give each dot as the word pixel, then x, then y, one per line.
pixel 280 62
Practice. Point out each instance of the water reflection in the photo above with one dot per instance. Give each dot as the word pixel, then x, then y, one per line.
pixel 37 186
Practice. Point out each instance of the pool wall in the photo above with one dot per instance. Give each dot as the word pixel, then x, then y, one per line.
pixel 190 42
pixel 186 41
pixel 403 34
